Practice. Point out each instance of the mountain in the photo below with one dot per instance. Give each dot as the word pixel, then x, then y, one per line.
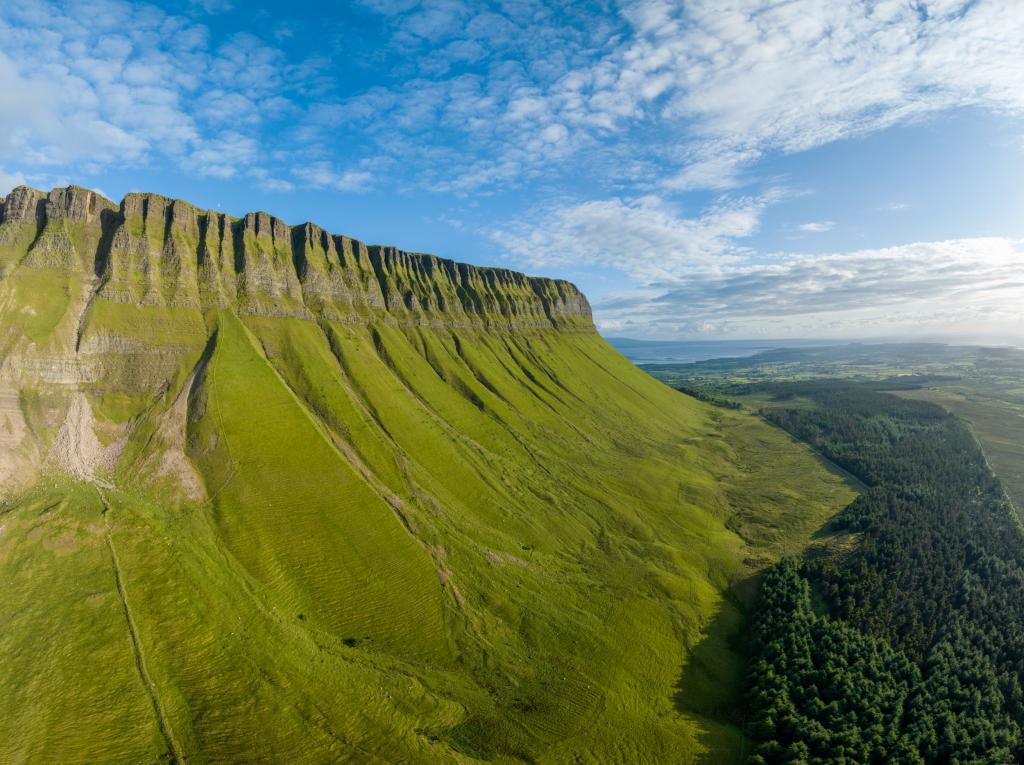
pixel 274 495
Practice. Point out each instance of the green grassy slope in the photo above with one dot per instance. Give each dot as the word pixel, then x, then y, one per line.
pixel 362 539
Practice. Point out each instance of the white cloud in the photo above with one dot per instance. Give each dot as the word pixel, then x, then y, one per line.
pixel 724 84
pixel 109 83
pixel 750 77
pixel 9 180
pixel 492 95
pixel 554 133
pixel 224 155
pixel 645 238
pixel 933 286
pixel 693 275
pixel 323 175
pixel 353 180
pixel 213 6
pixel 28 109
pixel 712 167
pixel 276 185
pixel 817 227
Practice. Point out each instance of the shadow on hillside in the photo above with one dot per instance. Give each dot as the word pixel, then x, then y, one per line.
pixel 711 684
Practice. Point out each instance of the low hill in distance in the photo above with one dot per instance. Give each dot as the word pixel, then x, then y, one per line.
pixel 272 495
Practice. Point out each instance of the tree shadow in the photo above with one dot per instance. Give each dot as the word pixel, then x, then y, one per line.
pixel 711 683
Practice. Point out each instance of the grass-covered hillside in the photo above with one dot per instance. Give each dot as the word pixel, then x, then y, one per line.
pixel 274 496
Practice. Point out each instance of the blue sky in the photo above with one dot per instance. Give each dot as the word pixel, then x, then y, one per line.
pixel 800 168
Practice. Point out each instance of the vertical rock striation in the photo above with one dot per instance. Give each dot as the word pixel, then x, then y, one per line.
pixel 156 251
pixel 104 308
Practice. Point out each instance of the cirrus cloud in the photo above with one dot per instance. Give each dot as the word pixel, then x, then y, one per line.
pixel 721 85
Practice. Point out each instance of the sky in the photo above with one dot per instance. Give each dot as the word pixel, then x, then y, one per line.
pixel 700 169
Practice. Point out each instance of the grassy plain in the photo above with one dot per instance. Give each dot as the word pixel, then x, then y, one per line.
pixel 312 533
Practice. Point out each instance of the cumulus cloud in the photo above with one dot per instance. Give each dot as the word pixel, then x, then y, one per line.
pixel 724 84
pixel 9 180
pixel 696 274
pixel 276 185
pixel 353 180
pixel 104 82
pixel 27 107
pixel 223 155
pixel 80 89
pixel 489 95
pixel 213 6
pixel 323 175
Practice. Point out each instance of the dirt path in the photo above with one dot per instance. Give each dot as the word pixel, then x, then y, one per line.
pixel 140 657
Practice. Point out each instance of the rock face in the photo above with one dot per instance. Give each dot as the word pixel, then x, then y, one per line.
pixel 105 308
pixel 152 250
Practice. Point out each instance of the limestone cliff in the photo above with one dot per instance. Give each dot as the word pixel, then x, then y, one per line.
pixel 105 309
pixel 152 250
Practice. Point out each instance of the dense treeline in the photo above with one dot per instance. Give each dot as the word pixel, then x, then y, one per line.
pixel 709 398
pixel 916 652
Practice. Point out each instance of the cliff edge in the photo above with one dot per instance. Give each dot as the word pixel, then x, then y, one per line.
pixel 152 250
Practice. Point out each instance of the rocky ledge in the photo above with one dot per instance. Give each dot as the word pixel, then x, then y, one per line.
pixel 151 250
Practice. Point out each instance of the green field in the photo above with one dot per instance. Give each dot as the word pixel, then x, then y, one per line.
pixel 285 535
pixel 984 386
pixel 904 647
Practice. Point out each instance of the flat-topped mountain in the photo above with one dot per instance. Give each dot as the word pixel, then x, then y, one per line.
pixel 273 495
pixel 152 250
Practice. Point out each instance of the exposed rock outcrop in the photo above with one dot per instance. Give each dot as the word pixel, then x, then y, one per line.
pixel 103 307
pixel 152 250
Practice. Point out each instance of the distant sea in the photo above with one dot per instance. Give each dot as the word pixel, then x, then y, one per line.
pixel 688 351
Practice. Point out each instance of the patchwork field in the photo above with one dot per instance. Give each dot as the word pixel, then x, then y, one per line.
pixel 982 385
